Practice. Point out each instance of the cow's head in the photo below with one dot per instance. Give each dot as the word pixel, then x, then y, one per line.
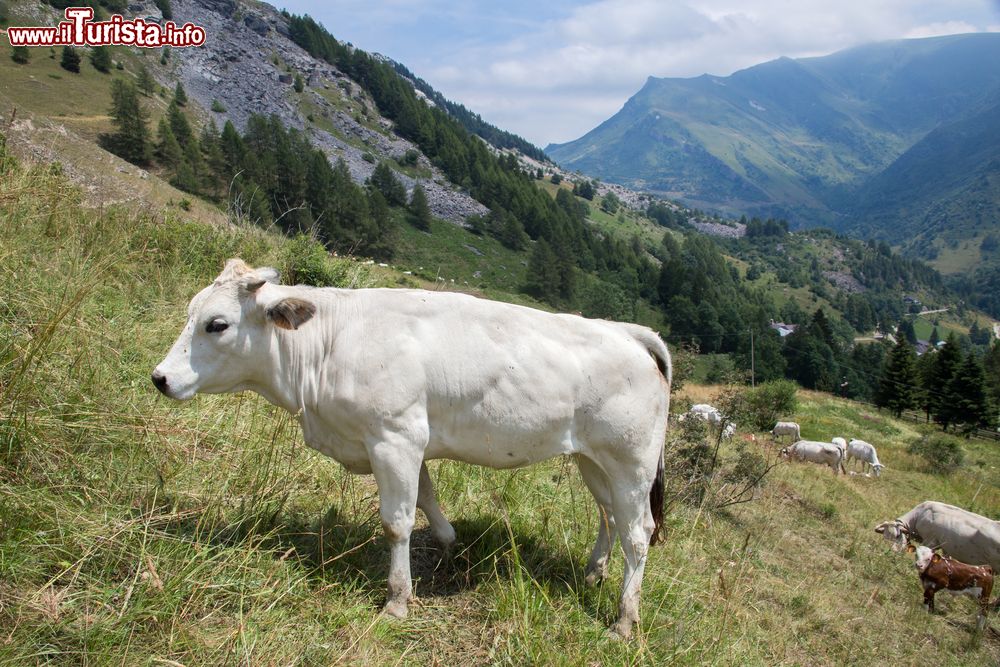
pixel 925 556
pixel 895 532
pixel 878 467
pixel 230 325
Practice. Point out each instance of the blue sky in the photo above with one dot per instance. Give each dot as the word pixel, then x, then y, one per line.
pixel 551 70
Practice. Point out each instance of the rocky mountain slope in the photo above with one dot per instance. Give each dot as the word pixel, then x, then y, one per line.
pixel 249 64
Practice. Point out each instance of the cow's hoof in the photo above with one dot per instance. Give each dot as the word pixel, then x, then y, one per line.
pixel 622 629
pixel 395 609
pixel 594 578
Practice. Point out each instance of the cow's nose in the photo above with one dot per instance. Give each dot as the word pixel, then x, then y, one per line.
pixel 160 381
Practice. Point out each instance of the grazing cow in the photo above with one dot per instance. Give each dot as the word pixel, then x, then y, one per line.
pixel 787 428
pixel 939 573
pixel 711 415
pixel 383 380
pixel 859 450
pixel 961 534
pixel 841 443
pixel 824 453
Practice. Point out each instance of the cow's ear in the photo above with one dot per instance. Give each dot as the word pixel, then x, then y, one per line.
pixel 291 313
pixel 935 558
pixel 254 280
pixel 910 548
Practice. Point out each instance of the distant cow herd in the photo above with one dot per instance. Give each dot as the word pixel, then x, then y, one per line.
pixel 383 380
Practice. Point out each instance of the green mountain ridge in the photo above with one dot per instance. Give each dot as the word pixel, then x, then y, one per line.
pixel 793 137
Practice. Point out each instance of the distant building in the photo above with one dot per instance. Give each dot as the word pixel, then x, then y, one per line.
pixel 921 347
pixel 911 300
pixel 782 328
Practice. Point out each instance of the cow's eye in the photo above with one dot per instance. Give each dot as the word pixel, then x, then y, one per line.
pixel 216 325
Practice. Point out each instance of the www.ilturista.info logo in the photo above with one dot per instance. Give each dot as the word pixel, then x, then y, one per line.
pixel 79 30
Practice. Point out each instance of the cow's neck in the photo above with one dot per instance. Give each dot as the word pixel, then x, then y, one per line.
pixel 288 378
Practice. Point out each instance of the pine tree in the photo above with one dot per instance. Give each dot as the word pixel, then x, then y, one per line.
pixel 925 376
pixel 419 208
pixel 179 125
pixel 145 81
pixel 168 151
pixel 512 233
pixel 935 337
pixel 966 402
pixel 991 363
pixel 100 58
pixel 20 54
pixel 946 363
pixel 906 330
pixel 211 152
pixel 180 97
pixel 382 219
pixel 384 180
pixel 131 140
pixel 298 84
pixel 70 60
pixel 898 386
pixel 543 275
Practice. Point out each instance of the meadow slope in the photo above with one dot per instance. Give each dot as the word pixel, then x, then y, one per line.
pixel 137 530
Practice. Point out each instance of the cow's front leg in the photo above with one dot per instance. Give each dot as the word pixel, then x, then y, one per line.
pixel 929 591
pixel 396 465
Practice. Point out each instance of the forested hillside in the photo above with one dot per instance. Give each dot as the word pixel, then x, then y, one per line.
pixel 894 141
pixel 564 242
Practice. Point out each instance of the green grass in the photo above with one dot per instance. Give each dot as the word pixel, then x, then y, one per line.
pixel 137 530
pixel 451 257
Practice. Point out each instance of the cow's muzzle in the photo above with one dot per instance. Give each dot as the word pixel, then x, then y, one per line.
pixel 160 382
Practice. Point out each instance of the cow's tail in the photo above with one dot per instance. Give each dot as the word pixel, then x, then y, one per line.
pixel 656 501
pixel 661 355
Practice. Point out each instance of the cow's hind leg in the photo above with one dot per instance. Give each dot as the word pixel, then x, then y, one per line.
pixel 396 463
pixel 596 481
pixel 634 521
pixel 428 504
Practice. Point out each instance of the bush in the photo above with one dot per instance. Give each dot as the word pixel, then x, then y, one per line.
pixel 218 107
pixel 306 262
pixel 942 453
pixel 410 158
pixel 768 402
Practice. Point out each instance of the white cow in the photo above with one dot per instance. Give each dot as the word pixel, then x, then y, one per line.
pixel 961 534
pixel 711 415
pixel 384 379
pixel 824 453
pixel 787 428
pixel 859 450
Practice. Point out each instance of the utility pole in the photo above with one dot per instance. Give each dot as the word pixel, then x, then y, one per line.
pixel 753 371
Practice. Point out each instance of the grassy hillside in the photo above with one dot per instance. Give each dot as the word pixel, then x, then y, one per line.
pixel 136 530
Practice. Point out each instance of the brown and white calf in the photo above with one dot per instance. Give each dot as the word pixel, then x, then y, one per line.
pixel 939 573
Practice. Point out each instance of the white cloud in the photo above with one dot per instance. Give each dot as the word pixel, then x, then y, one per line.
pixel 560 80
pixel 943 28
pixel 553 70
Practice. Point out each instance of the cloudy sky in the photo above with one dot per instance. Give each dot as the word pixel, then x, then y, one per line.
pixel 551 70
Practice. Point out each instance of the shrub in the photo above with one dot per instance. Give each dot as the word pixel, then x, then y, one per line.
pixel 768 402
pixel 942 453
pixel 218 107
pixel 410 158
pixel 306 262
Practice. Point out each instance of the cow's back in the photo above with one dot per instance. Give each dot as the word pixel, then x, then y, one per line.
pixel 519 384
pixel 966 536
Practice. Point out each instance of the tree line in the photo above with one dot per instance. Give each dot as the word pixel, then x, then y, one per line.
pixel 954 388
